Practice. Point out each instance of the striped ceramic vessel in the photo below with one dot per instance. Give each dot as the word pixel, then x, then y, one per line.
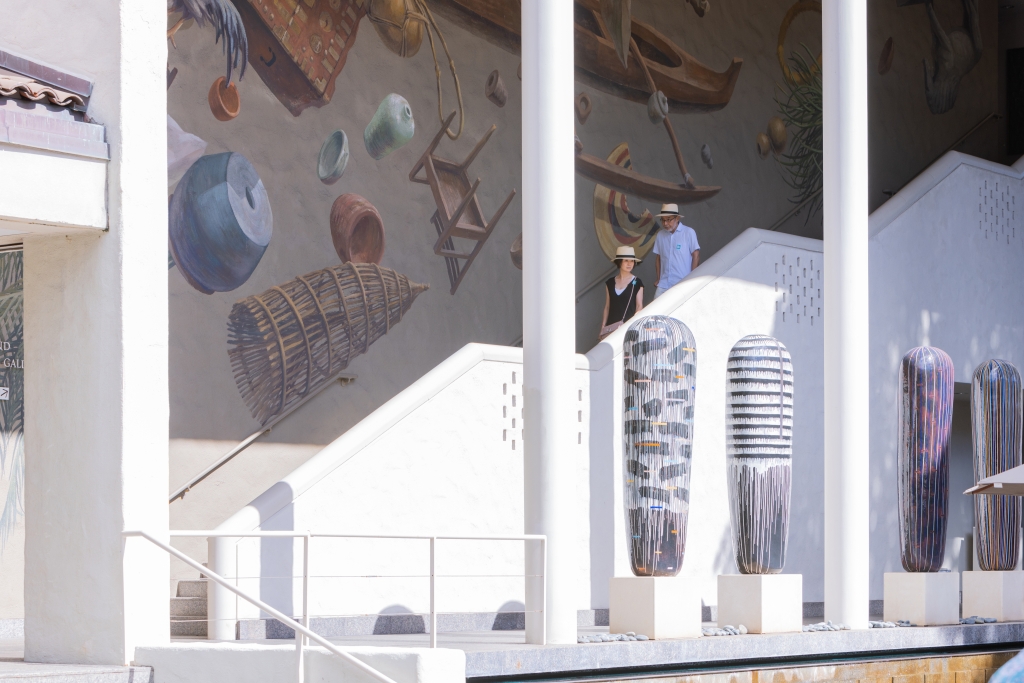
pixel 759 448
pixel 922 458
pixel 996 433
pixel 660 369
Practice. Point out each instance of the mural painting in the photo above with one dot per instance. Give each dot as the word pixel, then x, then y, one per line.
pixel 12 396
pixel 295 250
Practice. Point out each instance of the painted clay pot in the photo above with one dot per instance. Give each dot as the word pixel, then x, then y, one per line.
pixel 357 230
pixel 220 222
pixel 333 158
pixel 390 128
pixel 224 100
pixel 922 456
pixel 495 89
pixel 759 451
pixel 659 378
pixel 996 436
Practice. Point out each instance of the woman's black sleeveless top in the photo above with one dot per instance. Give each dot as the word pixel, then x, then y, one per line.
pixel 622 306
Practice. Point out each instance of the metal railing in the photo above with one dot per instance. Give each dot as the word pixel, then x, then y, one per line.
pixel 302 629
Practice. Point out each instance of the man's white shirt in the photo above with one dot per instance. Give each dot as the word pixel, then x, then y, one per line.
pixel 676 252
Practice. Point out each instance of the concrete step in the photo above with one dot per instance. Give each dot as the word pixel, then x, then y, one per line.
pixel 187 629
pixel 18 672
pixel 188 607
pixel 192 589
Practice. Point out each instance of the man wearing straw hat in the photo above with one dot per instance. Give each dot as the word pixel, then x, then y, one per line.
pixel 676 251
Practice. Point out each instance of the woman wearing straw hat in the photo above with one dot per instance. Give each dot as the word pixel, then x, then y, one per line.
pixel 623 293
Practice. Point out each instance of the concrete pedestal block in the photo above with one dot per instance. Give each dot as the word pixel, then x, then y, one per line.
pixel 764 603
pixel 923 599
pixel 994 594
pixel 655 606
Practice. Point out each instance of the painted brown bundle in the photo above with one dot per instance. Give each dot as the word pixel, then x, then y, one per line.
pixel 292 339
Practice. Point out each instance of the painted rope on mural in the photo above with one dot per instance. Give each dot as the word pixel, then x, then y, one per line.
pixel 922 458
pixel 659 373
pixel 996 435
pixel 759 448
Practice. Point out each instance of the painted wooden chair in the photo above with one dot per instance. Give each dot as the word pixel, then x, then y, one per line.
pixel 458 212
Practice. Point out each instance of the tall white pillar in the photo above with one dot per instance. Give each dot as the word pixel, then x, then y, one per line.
pixel 96 405
pixel 845 63
pixel 549 311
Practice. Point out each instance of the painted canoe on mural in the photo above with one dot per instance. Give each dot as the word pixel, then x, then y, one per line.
pixel 689 85
pixel 627 181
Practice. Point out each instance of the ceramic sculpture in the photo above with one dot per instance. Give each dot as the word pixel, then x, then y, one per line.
pixel 922 458
pixel 996 435
pixel 220 222
pixel 659 373
pixel 759 448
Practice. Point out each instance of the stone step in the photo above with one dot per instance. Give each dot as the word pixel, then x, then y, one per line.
pixel 18 672
pixel 188 607
pixel 188 629
pixel 192 589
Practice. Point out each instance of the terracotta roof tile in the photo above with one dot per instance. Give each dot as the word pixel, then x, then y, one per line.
pixel 12 85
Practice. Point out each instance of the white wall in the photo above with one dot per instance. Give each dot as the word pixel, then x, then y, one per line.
pixel 442 458
pixel 96 352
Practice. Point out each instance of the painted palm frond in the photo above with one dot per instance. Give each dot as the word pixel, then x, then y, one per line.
pixel 800 106
pixel 12 393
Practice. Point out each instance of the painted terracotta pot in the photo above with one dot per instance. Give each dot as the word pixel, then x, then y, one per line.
pixel 357 230
pixel 659 379
pixel 922 457
pixel 224 100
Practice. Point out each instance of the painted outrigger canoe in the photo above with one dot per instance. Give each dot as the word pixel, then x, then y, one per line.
pixel 628 181
pixel 689 85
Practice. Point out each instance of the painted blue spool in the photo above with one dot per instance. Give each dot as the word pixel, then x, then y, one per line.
pixel 759 449
pixel 996 436
pixel 922 457
pixel 220 222
pixel 659 374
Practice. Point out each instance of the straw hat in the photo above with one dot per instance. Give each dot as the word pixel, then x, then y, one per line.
pixel 670 210
pixel 626 254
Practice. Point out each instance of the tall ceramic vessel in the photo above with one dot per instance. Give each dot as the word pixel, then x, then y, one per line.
pixel 759 448
pixel 922 458
pixel 660 369
pixel 996 433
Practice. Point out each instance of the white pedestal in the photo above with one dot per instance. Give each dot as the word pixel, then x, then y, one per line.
pixel 655 606
pixel 923 599
pixel 764 603
pixel 994 594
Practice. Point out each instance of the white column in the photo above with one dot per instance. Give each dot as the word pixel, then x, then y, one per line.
pixel 845 62
pixel 96 406
pixel 549 328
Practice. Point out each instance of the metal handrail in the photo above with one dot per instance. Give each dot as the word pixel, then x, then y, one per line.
pixel 300 629
pixel 344 378
pixel 307 536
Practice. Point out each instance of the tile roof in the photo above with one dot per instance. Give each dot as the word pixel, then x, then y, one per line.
pixel 14 85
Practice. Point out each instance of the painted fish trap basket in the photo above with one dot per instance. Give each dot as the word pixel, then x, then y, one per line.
pixel 759 451
pixel 996 436
pixel 922 456
pixel 294 338
pixel 660 369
